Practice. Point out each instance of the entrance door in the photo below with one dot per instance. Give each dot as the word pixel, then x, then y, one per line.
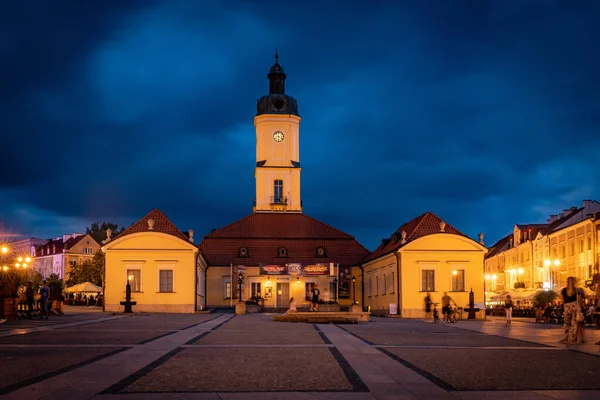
pixel 283 294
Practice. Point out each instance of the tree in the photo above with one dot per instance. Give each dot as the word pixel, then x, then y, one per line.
pixel 544 297
pixel 98 231
pixel 87 271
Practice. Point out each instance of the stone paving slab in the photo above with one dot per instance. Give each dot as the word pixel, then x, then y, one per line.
pixel 241 396
pixel 52 321
pixel 245 370
pixel 476 369
pixel 158 321
pixel 423 339
pixel 74 336
pixel 263 322
pixel 254 337
pixel 24 364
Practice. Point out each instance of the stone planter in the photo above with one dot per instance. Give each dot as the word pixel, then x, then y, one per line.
pixel 10 308
pixel 240 308
pixel 252 308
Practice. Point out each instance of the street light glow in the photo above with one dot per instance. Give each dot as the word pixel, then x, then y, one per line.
pixel 4 249
pixel 27 259
pixel 557 262
pixel 520 271
pixel 488 277
pixel 547 263
pixel 20 259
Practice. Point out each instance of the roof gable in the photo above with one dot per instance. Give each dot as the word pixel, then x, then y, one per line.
pixel 263 234
pixel 423 225
pixel 161 224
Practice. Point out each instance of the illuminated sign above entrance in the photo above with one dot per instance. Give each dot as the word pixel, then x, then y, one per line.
pixel 298 269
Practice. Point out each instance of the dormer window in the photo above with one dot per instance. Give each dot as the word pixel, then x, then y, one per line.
pixel 321 252
pixel 282 252
pixel 243 252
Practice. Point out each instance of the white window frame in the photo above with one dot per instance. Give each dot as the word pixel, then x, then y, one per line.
pixel 165 267
pixel 134 268
pixel 428 268
pixel 225 282
pixel 464 271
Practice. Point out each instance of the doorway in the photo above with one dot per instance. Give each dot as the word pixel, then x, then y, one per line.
pixel 283 294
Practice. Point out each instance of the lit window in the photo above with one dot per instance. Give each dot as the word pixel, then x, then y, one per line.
pixel 227 289
pixel 135 280
pixel 458 280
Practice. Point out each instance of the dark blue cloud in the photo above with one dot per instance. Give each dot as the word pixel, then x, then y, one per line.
pixel 485 113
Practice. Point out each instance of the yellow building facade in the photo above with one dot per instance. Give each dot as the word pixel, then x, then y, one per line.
pixel 543 256
pixel 160 264
pixel 424 255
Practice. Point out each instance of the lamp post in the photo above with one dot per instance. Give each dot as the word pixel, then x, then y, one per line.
pixel 128 303
pixel 335 289
pixel 353 290
pixel 240 278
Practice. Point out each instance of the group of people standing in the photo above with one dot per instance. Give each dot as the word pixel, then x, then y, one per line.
pixel 574 309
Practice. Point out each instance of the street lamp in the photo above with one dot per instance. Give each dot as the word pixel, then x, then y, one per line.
pixel 353 290
pixel 240 277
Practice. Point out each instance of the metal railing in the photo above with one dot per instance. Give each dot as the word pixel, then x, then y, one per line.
pixel 279 200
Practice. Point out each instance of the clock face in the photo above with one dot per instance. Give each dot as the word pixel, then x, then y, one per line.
pixel 278 136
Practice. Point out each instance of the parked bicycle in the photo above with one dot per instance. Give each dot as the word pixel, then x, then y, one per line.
pixel 456 314
pixel 436 314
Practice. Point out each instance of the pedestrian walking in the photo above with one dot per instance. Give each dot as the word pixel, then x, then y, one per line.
pixel 570 296
pixel 314 303
pixel 446 306
pixel 291 307
pixel 29 298
pixel 428 304
pixel 508 307
pixel 44 293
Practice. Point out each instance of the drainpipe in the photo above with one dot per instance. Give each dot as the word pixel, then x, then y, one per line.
pixel 196 283
pixel 362 286
pixel 532 264
pixel 399 282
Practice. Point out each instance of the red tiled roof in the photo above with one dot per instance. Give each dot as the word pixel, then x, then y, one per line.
pixel 51 247
pixel 499 247
pixel 423 225
pixel 263 234
pixel 161 224
pixel 72 241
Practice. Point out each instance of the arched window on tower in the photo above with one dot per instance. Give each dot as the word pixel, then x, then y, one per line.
pixel 278 197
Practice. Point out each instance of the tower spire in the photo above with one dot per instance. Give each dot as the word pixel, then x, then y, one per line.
pixel 276 56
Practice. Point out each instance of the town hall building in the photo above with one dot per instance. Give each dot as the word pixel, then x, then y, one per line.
pixel 277 252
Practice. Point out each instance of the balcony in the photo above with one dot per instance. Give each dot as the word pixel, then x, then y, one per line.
pixel 279 200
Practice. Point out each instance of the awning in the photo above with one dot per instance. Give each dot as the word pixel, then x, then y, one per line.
pixel 86 287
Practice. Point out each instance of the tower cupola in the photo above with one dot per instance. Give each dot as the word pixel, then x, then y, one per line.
pixel 277 102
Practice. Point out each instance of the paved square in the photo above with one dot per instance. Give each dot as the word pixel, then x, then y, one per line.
pixel 224 356
pixel 245 369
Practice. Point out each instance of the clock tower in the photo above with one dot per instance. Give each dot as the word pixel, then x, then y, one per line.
pixel 277 171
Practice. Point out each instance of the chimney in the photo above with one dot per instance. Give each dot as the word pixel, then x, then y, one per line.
pixel 191 233
pixel 553 218
pixel 442 226
pixel 480 238
pixel 150 224
pixel 64 237
pixel 403 233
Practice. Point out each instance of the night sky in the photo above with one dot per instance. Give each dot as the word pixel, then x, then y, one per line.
pixel 486 113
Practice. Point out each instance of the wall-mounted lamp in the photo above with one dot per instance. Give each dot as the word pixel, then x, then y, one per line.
pixel 454 272
pixel 297 281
